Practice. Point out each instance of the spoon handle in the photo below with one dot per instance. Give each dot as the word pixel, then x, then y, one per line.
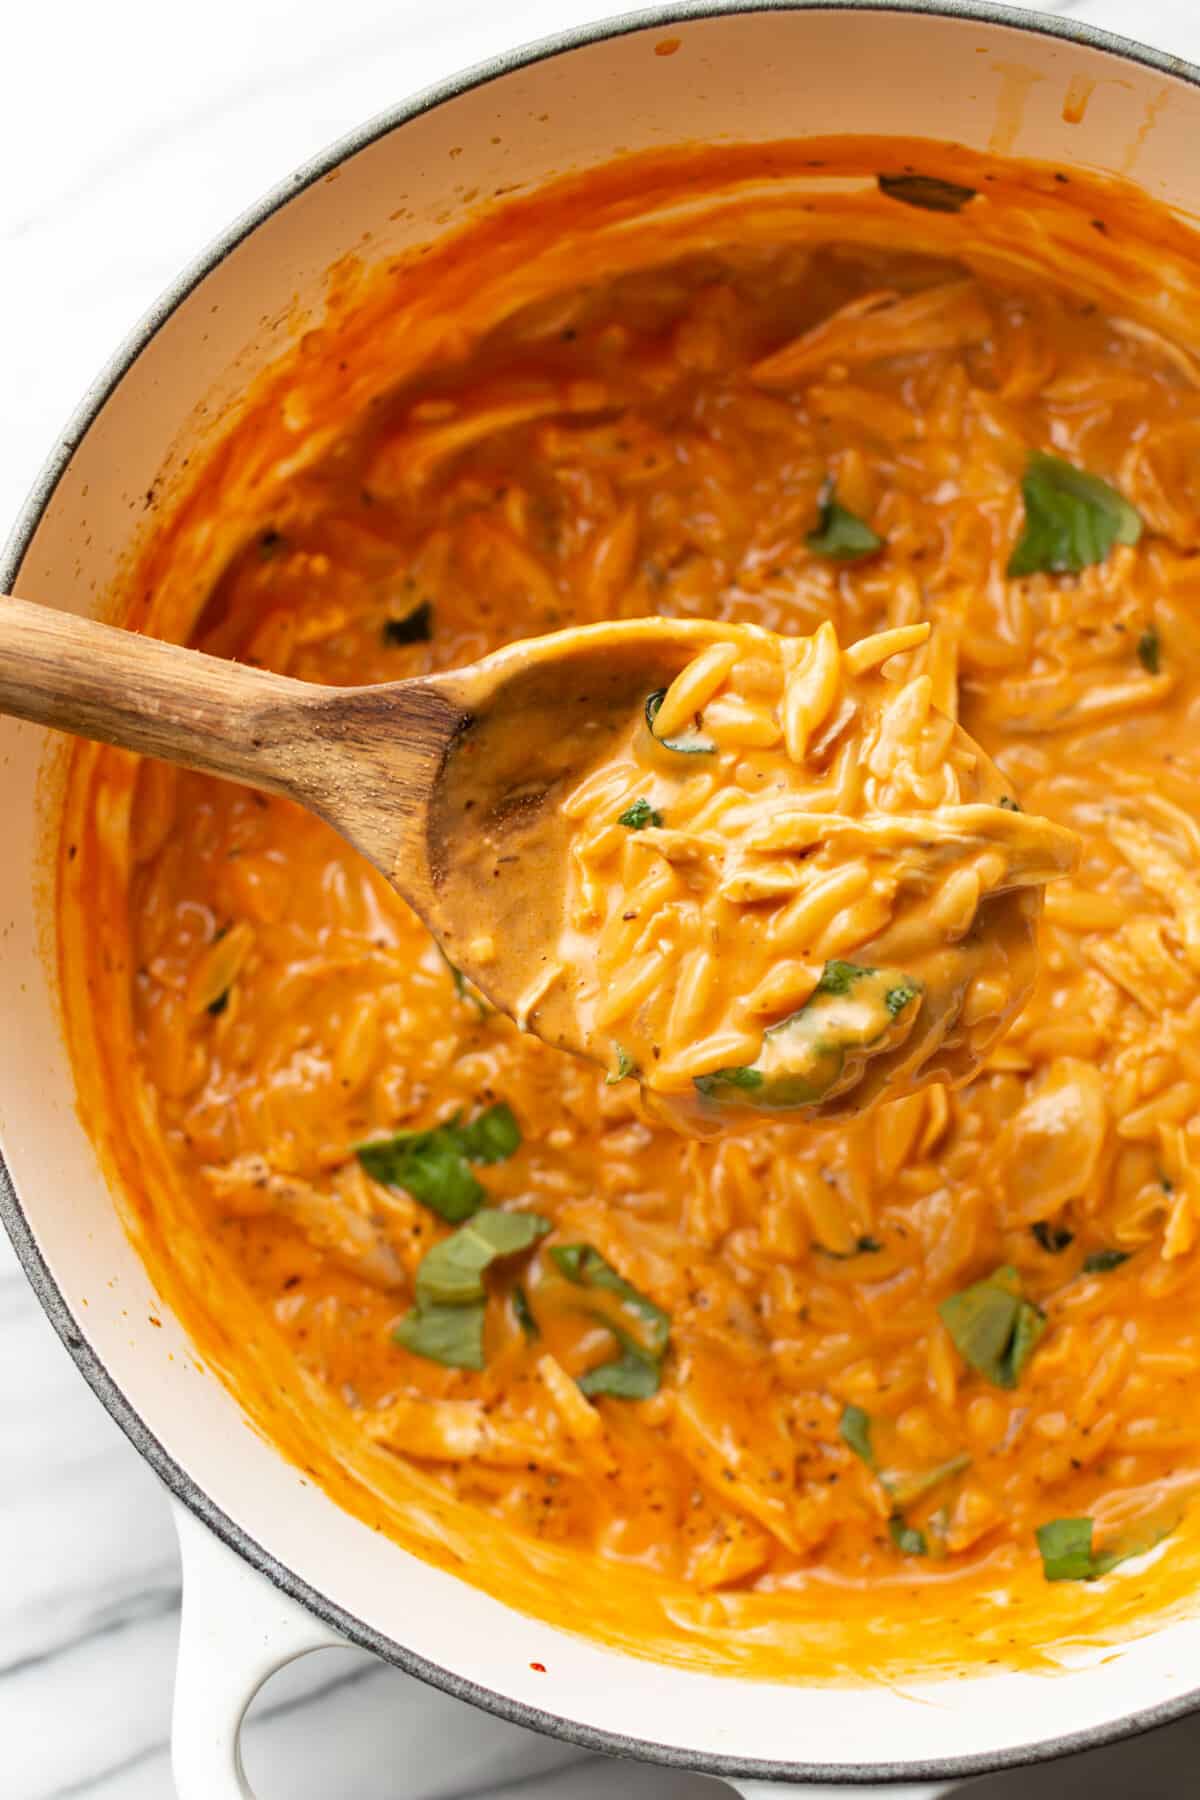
pixel 142 694
pixel 365 759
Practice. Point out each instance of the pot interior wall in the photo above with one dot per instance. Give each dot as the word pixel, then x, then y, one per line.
pixel 753 77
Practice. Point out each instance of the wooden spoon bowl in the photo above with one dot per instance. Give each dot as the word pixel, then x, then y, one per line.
pixel 449 784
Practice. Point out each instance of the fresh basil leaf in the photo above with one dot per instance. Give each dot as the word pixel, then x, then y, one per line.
pixel 854 1428
pixel 452 1335
pixel 585 1267
pixel 839 977
pixel 1072 519
pixel 1052 1237
pixel 1031 1323
pixel 492 1136
pixel 625 1066
pixel 432 1165
pixel 904 1489
pixel 415 627
pixel 994 1329
pixel 900 996
pixel 927 191
pixel 524 1313
pixel 634 1375
pixel 1066 1549
pixel 1099 1262
pixel 691 743
pixel 851 1010
pixel 639 815
pixel 907 1539
pixel 1067 1554
pixel 840 534
pixel 744 1080
pixel 1148 651
pixel 451 1274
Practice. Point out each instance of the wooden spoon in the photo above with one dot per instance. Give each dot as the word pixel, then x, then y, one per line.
pixel 447 783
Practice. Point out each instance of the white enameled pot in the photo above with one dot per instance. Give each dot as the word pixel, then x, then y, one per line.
pixel 272 1568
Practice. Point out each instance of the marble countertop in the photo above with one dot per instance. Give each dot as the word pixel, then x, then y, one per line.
pixel 129 136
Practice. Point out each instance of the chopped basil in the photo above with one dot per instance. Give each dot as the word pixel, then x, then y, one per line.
pixel 433 1166
pixel 1099 1262
pixel 1052 1237
pixel 625 1066
pixel 1072 519
pixel 904 1489
pixel 639 815
pixel 524 1313
pixel 452 1335
pixel 746 1079
pixel 691 743
pixel 452 1272
pixel 863 1246
pixel 993 1327
pixel 927 191
pixel 839 977
pixel 492 1135
pixel 631 1376
pixel 1067 1554
pixel 1007 803
pixel 636 1372
pixel 900 996
pixel 853 1009
pixel 446 1322
pixel 840 534
pixel 1148 648
pixel 217 1007
pixel 854 1427
pixel 585 1267
pixel 430 1166
pixel 415 627
pixel 1066 1549
pixel 269 543
pixel 907 1538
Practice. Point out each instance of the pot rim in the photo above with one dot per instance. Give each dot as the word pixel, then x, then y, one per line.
pixel 182 1485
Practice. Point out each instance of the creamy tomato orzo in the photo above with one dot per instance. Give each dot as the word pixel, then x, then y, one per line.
pixel 822 1398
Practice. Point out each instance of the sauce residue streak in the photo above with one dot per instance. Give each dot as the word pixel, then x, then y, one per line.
pixel 1075 103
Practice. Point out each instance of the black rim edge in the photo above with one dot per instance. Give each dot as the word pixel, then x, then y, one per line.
pixel 176 1479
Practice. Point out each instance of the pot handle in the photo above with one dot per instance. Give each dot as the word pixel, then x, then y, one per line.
pixel 237 1630
pixel 769 1790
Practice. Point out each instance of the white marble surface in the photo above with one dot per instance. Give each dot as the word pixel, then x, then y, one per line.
pixel 129 134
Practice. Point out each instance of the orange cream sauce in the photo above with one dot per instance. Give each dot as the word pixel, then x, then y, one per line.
pixel 247 1001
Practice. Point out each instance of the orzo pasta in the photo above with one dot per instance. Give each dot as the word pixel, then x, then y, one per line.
pixel 796 886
